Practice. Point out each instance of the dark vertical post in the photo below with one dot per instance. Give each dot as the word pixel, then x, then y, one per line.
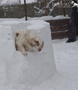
pixel 45 2
pixel 25 7
pixel 60 8
pixel 63 2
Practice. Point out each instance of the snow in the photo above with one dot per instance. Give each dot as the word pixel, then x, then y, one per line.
pixel 18 71
pixel 65 56
pixel 28 1
pixel 47 17
pixel 66 60
pixel 75 5
pixel 36 18
pixel 3 2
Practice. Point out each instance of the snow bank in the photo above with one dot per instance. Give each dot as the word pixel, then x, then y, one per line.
pixel 31 69
pixel 48 17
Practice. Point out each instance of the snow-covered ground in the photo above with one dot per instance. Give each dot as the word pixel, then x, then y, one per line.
pixel 65 55
pixel 5 2
pixel 66 58
pixel 28 1
pixel 48 17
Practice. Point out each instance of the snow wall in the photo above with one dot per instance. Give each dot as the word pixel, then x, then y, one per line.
pixel 33 68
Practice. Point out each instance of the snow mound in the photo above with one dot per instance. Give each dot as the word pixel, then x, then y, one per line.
pixel 48 18
pixel 31 69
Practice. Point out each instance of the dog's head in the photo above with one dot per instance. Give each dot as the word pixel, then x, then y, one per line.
pixel 37 44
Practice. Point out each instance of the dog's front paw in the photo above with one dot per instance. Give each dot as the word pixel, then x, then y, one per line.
pixel 32 50
pixel 24 53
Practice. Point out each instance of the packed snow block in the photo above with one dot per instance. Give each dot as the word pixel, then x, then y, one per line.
pixel 6 32
pixel 16 25
pixel 36 67
pixel 6 42
pixel 6 50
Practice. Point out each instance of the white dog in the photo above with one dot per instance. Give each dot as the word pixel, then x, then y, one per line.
pixel 27 40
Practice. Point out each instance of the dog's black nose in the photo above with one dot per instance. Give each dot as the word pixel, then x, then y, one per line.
pixel 39 49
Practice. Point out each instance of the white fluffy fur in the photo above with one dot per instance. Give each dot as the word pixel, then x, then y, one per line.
pixel 27 40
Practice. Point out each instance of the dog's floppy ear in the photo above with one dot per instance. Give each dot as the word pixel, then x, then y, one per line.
pixel 17 34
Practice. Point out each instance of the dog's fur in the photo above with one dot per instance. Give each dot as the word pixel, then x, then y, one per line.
pixel 28 40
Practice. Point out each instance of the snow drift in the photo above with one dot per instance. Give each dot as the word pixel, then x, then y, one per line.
pixel 31 69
